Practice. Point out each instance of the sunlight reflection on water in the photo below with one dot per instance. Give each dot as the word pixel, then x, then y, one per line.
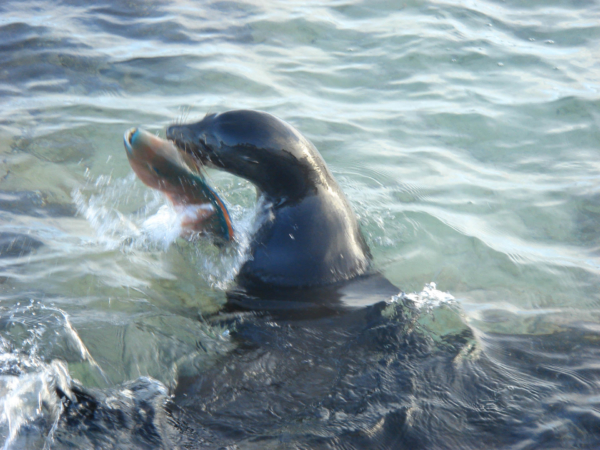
pixel 465 136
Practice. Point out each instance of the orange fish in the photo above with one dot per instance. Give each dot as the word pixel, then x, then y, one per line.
pixel 160 165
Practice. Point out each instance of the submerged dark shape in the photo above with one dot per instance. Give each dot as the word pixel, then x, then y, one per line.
pixel 13 245
pixel 311 236
pixel 34 203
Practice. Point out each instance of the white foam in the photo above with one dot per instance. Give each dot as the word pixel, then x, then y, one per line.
pixel 429 297
pixel 162 228
pixel 28 383
pixel 111 206
pixel 30 396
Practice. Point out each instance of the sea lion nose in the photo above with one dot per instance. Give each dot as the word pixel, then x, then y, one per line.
pixel 178 133
pixel 170 132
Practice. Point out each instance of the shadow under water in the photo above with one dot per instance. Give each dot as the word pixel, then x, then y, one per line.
pixel 389 375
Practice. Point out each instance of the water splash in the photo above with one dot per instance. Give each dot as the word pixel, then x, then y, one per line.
pixel 132 415
pixel 428 298
pixel 128 216
pixel 30 336
pixel 111 206
pixel 30 398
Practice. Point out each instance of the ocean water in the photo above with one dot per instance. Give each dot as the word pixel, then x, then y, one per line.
pixel 466 136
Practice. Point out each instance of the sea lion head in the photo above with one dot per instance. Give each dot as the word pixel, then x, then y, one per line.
pixel 274 156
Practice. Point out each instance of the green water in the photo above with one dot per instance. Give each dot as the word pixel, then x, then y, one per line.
pixel 465 135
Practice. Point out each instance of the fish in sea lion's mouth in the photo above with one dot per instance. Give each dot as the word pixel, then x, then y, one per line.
pixel 160 165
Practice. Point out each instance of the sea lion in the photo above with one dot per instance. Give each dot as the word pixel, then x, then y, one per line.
pixel 311 236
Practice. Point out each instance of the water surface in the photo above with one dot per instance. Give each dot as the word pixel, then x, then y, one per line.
pixel 466 137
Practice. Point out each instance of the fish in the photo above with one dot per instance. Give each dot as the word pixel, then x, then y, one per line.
pixel 160 165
